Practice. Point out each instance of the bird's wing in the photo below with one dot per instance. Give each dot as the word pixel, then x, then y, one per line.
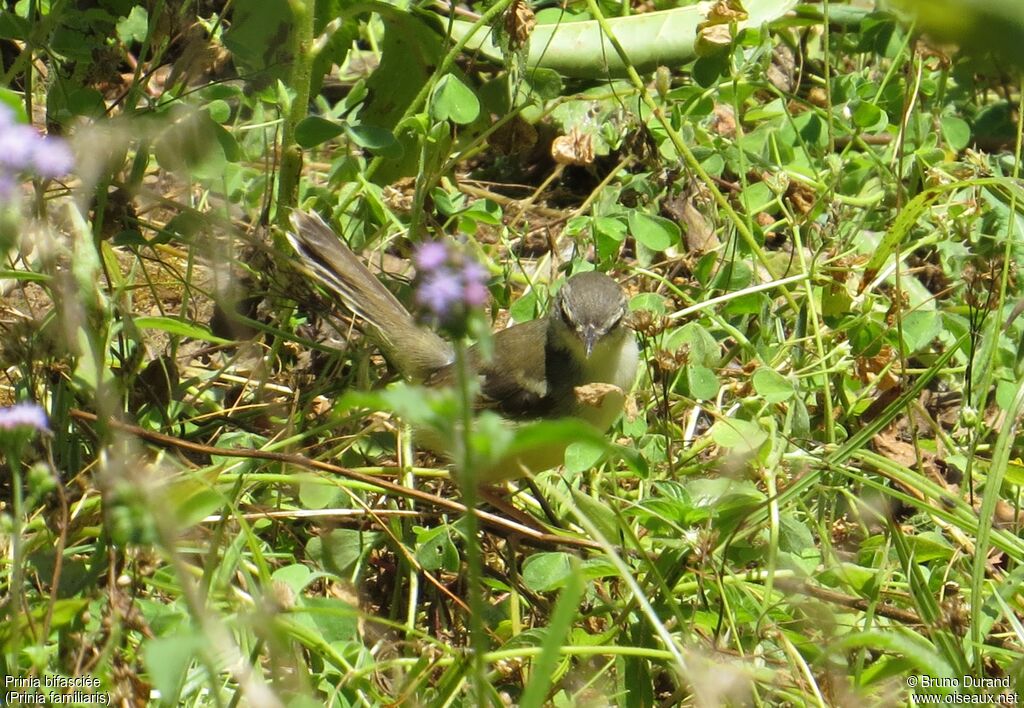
pixel 515 381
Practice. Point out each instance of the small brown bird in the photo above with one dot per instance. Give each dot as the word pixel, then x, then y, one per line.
pixel 536 369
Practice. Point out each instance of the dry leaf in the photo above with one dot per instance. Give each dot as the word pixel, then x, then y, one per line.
pixel 576 148
pixel 593 395
pixel 519 24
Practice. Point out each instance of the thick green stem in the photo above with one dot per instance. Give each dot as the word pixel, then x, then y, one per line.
pixel 301 76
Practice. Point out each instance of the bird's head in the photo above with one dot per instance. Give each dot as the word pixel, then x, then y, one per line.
pixel 589 310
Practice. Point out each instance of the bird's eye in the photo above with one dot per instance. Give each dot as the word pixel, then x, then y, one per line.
pixel 615 319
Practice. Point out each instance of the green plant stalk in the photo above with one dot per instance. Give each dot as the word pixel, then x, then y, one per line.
pixel 15 599
pixel 580 49
pixel 136 85
pixel 927 606
pixel 819 336
pixel 689 158
pixel 409 480
pixel 771 469
pixel 527 652
pixel 1005 441
pixel 465 474
pixel 300 79
pixel 826 45
pixel 804 670
pixel 993 488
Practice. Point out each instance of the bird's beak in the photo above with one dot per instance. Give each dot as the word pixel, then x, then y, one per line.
pixel 589 339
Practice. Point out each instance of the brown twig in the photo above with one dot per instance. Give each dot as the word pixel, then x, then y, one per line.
pixel 850 601
pixel 491 521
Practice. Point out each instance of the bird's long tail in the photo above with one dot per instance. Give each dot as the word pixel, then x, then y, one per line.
pixel 415 351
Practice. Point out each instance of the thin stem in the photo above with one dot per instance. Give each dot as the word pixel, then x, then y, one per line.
pixel 464 472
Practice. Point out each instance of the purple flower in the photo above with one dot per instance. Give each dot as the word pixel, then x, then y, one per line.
pixel 17 146
pixel 439 292
pixel 52 158
pixel 473 272
pixel 24 414
pixel 475 294
pixel 430 256
pixel 8 187
pixel 473 279
pixel 448 286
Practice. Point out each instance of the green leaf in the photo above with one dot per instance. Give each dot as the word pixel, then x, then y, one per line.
pixel 905 220
pixel 13 26
pixel 609 233
pixel 409 53
pixel 193 507
pixel 748 304
pixel 219 110
pixel 545 83
pixel 920 651
pixel 772 386
pixel 757 197
pixel 724 495
pixel 582 456
pixel 135 26
pixel 431 408
pixel 295 577
pixel 544 433
pixel 238 440
pixel 453 100
pixel 859 578
pixel 597 512
pixel 920 328
pixel 650 302
pixel 435 549
pixel 258 38
pixel 794 536
pixel 544 572
pixel 868 116
pixel 178 327
pixel 655 232
pixel 316 493
pixel 738 435
pixel 702 382
pixel 866 338
pixel 314 130
pixel 379 141
pixel 167 660
pixel 193 142
pixel 956 131
pixel 980 26
pixel 525 308
pixel 339 550
pixel 704 349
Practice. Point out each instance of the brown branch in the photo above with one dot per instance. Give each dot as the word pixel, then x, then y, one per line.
pixel 492 521
pixel 850 601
